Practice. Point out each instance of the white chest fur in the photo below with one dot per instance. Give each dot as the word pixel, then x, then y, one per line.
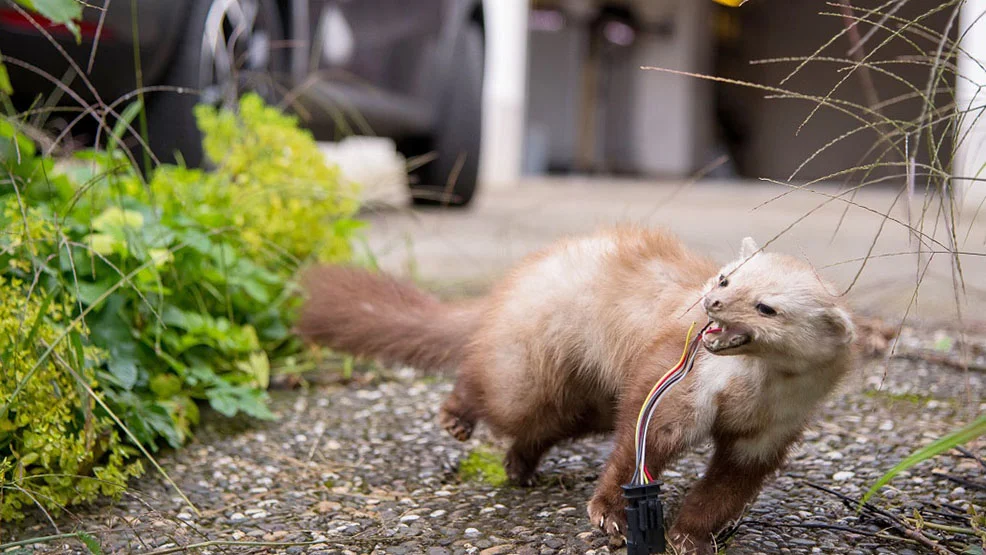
pixel 775 403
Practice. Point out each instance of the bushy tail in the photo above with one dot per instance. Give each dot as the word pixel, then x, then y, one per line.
pixel 374 315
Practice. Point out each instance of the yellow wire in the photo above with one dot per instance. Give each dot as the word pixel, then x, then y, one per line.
pixel 640 417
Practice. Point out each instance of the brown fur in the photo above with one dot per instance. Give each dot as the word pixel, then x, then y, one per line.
pixel 369 314
pixel 573 339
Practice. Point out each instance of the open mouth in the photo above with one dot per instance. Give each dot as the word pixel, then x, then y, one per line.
pixel 721 337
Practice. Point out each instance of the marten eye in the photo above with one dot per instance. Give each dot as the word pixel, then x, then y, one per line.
pixel 765 310
pixel 723 281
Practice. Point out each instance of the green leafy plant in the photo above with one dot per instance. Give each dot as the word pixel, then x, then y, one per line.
pixel 56 447
pixel 181 284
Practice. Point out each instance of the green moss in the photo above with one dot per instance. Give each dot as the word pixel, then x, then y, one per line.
pixel 483 465
pixel 891 398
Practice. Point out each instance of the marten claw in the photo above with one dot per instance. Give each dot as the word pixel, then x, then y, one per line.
pixel 455 426
pixel 608 519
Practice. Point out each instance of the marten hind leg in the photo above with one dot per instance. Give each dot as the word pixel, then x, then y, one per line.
pixel 460 411
pixel 522 459
pixel 533 442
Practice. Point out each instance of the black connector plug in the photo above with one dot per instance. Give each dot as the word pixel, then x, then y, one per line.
pixel 645 519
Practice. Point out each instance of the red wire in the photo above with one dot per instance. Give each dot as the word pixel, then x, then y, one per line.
pixel 664 378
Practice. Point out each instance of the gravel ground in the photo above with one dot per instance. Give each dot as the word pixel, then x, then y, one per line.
pixel 365 469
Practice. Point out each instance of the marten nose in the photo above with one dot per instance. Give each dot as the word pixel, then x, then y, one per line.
pixel 712 305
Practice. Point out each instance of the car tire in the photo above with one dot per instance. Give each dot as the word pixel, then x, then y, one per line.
pixel 451 178
pixel 172 129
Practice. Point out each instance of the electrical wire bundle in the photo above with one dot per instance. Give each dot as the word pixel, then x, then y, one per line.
pixel 641 475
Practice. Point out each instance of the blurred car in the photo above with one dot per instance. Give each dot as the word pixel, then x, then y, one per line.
pixel 412 71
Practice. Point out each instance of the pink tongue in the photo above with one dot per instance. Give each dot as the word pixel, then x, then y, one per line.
pixel 713 330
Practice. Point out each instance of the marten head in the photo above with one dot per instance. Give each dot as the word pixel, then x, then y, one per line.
pixel 773 305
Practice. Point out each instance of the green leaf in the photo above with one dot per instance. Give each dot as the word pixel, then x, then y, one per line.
pixel 963 435
pixel 91 543
pixel 105 243
pixel 222 401
pixel 165 386
pixel 126 118
pixel 77 349
pixel 124 369
pixel 258 366
pixel 64 12
pixel 254 403
pixel 174 317
pixel 114 220
pixel 5 86
pixel 89 293
pixel 256 291
pixel 42 312
pixel 197 241
pixel 160 420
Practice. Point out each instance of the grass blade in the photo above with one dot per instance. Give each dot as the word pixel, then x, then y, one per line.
pixel 963 435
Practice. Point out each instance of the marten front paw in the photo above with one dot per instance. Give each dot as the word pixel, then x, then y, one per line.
pixel 608 512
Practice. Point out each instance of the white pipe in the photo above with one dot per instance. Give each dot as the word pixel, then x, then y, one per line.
pixel 505 92
pixel 970 96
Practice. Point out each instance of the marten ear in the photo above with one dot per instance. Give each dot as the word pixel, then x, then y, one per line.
pixel 748 248
pixel 841 324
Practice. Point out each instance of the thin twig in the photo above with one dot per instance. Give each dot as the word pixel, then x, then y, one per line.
pixel 41 539
pixel 972 456
pixel 940 359
pixel 823 526
pixel 889 519
pixel 233 543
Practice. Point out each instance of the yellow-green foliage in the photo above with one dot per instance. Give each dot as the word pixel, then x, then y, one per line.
pixel 183 285
pixel 52 431
pixel 483 465
pixel 289 195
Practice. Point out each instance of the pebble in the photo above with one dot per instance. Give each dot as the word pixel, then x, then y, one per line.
pixel 372 466
pixel 276 535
